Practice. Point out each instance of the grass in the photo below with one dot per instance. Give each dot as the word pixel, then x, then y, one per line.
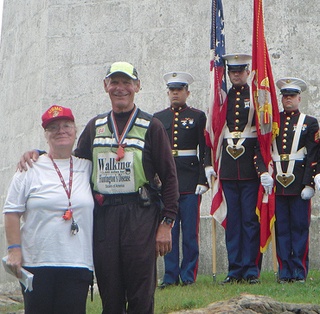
pixel 206 291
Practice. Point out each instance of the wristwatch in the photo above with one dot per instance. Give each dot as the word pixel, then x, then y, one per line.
pixel 168 221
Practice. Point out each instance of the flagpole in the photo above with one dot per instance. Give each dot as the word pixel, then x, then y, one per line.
pixel 274 253
pixel 214 240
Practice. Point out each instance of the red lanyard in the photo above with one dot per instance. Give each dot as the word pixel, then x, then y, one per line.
pixel 68 213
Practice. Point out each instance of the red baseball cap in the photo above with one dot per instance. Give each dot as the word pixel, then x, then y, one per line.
pixel 56 112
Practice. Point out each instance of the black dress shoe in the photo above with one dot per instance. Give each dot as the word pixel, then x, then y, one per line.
pixel 253 280
pixel 166 284
pixel 187 283
pixel 300 280
pixel 230 280
pixel 284 280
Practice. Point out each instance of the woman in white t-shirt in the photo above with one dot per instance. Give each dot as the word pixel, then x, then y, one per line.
pixel 49 221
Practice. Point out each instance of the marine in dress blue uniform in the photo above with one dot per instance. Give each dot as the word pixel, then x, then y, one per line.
pixel 239 178
pixel 295 159
pixel 185 128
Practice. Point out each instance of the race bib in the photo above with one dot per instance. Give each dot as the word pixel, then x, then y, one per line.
pixel 114 177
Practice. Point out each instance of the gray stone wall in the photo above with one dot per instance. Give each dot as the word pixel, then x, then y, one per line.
pixel 58 51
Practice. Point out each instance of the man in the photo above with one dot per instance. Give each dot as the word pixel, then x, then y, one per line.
pixel 239 179
pixel 128 149
pixel 295 158
pixel 185 128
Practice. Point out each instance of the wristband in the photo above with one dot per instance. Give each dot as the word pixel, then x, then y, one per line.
pixel 13 246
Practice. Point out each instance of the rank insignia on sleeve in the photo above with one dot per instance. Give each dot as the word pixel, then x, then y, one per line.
pixel 317 136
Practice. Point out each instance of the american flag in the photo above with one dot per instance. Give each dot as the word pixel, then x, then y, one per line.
pixel 217 107
pixel 267 118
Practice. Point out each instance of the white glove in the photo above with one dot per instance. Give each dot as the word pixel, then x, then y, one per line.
pixel 317 181
pixel 200 189
pixel 209 173
pixel 267 182
pixel 307 193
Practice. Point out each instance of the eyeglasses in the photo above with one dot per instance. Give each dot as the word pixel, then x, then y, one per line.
pixel 66 127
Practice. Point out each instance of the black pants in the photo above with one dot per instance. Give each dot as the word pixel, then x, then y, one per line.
pixel 57 290
pixel 124 257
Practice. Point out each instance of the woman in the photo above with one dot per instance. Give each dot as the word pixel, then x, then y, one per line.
pixel 55 202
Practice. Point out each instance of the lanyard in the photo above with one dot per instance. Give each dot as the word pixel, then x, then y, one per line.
pixel 68 213
pixel 67 190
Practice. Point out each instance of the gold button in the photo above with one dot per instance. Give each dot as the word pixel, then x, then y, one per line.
pixel 284 146
pixel 176 125
pixel 176 119
pixel 287 123
pixel 238 93
pixel 176 113
pixel 237 99
pixel 237 113
pixel 237 120
pixel 285 129
pixel 236 128
pixel 175 132
pixel 284 140
pixel 187 127
pixel 237 106
pixel 288 118
pixel 285 135
pixel 175 138
pixel 175 145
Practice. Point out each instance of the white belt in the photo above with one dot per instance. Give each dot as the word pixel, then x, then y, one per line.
pixel 184 152
pixel 247 133
pixel 299 155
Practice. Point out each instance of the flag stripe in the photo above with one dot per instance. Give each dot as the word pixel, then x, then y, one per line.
pixel 217 106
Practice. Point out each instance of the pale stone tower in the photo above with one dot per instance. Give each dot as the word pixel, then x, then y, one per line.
pixel 57 52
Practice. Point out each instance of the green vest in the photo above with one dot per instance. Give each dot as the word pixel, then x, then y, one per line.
pixel 112 176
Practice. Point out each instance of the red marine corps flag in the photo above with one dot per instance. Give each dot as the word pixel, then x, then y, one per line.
pixel 217 107
pixel 267 118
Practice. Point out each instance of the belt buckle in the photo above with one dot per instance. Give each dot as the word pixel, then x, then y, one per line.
pixel 117 200
pixel 236 134
pixel 175 153
pixel 284 157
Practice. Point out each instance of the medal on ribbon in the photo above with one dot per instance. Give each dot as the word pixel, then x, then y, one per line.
pixel 120 138
pixel 120 152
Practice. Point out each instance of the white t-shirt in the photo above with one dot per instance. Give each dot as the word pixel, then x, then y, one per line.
pixel 46 237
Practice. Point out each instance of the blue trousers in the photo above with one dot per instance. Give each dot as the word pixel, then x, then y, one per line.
pixel 187 221
pixel 243 228
pixel 292 236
